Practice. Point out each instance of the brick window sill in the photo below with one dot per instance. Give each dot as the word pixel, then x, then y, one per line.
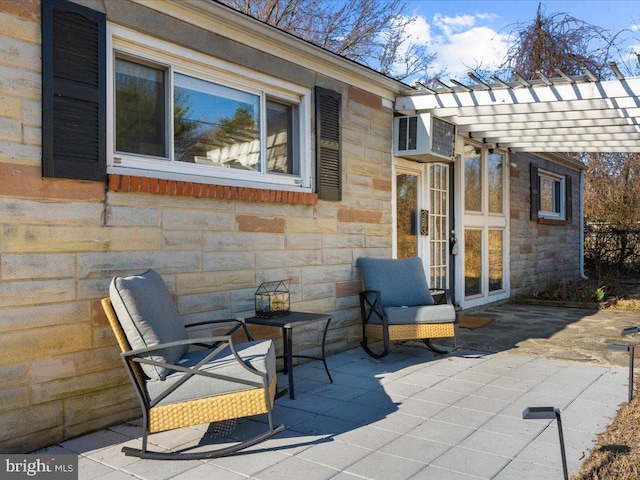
pixel 129 183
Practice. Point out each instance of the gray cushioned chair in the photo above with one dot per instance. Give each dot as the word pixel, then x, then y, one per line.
pixel 183 381
pixel 397 304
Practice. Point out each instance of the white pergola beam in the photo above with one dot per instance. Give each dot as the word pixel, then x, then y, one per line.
pixel 566 137
pixel 626 104
pixel 629 88
pixel 593 115
pixel 520 129
pixel 577 149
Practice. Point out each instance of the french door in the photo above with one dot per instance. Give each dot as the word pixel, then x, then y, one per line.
pixel 484 268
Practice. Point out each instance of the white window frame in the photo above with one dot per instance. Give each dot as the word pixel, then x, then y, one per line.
pixel 562 201
pixel 178 59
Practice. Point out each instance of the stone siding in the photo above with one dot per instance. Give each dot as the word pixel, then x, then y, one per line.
pixel 541 253
pixel 61 242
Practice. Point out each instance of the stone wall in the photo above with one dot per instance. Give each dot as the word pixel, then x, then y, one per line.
pixel 541 253
pixel 61 242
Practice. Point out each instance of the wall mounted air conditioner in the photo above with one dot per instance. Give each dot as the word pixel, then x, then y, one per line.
pixel 424 138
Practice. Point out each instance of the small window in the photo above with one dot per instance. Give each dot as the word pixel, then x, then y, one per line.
pixel 552 195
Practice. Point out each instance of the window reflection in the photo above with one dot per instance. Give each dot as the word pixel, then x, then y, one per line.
pixel 281 138
pixel 407 204
pixel 495 170
pixel 495 260
pixel 140 109
pixel 473 182
pixel 215 125
pixel 472 262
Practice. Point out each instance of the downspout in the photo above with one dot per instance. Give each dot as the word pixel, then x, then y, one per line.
pixel 582 274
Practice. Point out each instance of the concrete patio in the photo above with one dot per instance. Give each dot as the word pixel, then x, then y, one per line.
pixel 416 415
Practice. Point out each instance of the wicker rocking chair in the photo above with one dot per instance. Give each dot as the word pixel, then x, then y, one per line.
pixel 182 381
pixel 397 304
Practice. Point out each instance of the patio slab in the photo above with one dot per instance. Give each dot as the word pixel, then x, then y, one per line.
pixel 413 414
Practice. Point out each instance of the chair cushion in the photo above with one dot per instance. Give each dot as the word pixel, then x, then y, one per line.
pixel 401 282
pixel 148 317
pixel 259 354
pixel 429 314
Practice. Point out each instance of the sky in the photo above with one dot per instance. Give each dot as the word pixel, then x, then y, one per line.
pixel 467 34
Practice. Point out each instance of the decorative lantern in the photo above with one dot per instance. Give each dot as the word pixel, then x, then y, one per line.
pixel 272 299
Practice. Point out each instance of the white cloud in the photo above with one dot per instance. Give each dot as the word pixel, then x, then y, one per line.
pixel 450 25
pixel 476 47
pixel 461 42
pixel 419 31
pixel 487 16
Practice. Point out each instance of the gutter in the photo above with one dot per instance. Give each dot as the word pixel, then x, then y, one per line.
pixel 581 226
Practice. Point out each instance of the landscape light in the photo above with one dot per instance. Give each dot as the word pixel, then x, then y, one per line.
pixel 549 413
pixel 631 350
pixel 629 331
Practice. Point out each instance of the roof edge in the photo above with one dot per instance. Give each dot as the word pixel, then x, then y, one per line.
pixel 250 31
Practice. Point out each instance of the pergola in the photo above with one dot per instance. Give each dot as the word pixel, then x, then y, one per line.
pixel 560 114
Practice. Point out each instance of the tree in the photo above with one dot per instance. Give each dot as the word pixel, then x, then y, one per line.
pixel 558 41
pixel 611 195
pixel 612 209
pixel 371 32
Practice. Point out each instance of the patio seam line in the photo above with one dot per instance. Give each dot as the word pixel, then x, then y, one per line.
pixel 509 459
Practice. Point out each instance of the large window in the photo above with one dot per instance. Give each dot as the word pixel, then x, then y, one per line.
pixel 181 112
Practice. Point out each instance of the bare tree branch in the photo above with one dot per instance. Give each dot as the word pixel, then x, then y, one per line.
pixel 372 32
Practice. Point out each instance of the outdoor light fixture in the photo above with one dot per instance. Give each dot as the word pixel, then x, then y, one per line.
pixel 629 331
pixel 549 413
pixel 630 349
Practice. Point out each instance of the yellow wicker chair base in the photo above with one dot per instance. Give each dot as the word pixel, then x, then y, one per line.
pixel 416 331
pixel 245 403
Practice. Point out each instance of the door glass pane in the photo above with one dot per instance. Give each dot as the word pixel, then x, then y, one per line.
pixel 407 207
pixel 495 260
pixel 140 109
pixel 438 232
pixel 472 262
pixel 495 183
pixel 216 125
pixel 472 181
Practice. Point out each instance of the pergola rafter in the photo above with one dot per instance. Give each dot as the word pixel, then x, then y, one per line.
pixel 560 114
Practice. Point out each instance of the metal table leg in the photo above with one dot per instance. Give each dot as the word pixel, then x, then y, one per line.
pixel 287 342
pixel 324 357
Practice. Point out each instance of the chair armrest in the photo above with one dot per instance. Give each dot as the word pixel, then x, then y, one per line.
pixel 189 341
pixel 240 324
pixel 371 304
pixel 143 355
pixel 441 296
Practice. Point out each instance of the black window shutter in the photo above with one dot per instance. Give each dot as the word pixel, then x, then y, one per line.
pixel 569 199
pixel 328 144
pixel 74 40
pixel 535 191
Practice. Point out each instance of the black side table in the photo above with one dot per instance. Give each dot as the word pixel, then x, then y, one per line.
pixel 287 323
